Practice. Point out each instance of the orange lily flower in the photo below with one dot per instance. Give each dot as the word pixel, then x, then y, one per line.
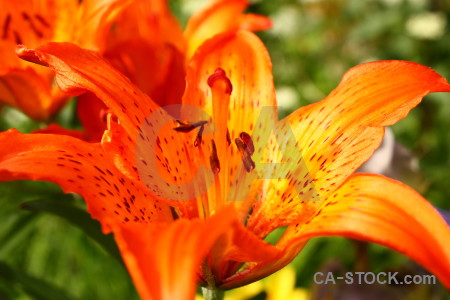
pixel 296 172
pixel 148 45
pixel 29 87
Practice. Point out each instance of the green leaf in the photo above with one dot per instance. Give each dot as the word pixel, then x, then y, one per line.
pixel 37 288
pixel 77 217
pixel 12 232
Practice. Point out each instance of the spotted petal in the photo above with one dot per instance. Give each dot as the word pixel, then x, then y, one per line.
pixel 247 65
pixel 18 86
pixel 246 71
pixel 78 167
pixel 148 21
pixel 92 23
pixel 335 136
pixel 381 210
pixel 28 87
pixel 371 208
pixel 145 126
pixel 78 70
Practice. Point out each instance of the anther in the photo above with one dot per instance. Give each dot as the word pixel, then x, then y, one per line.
pixel 214 159
pixel 27 18
pixel 42 20
pixel 184 126
pixel 248 142
pixel 6 26
pixel 103 113
pixel 17 38
pixel 245 145
pixel 228 138
pixel 249 164
pixel 198 139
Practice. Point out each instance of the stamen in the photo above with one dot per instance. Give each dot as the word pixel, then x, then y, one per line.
pixel 249 164
pixel 174 213
pixel 17 38
pixel 105 112
pixel 185 126
pixel 245 145
pixel 198 140
pixel 214 159
pixel 33 27
pixel 6 26
pixel 42 20
pixel 202 201
pixel 248 142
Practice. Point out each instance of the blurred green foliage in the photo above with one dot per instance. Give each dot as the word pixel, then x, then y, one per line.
pixel 312 44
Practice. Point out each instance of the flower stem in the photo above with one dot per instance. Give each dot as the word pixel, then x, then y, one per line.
pixel 212 293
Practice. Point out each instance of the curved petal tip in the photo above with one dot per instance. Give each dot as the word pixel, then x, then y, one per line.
pixel 29 55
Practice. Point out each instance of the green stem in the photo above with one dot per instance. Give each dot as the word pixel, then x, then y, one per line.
pixel 212 293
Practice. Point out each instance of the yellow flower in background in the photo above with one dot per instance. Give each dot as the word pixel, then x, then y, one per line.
pixel 278 286
pixel 281 285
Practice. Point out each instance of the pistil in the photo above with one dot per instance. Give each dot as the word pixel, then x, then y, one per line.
pixel 221 89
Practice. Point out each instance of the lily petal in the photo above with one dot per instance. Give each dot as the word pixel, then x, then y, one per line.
pixel 27 21
pixel 244 67
pixel 92 114
pixel 18 86
pixel 55 128
pixel 338 134
pixel 377 209
pixel 150 21
pixel 33 23
pixel 78 167
pixel 157 69
pixel 221 16
pixel 247 65
pixel 165 259
pixel 78 70
pixel 21 86
pixel 93 21
pixel 371 208
pixel 238 246
pixel 147 45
